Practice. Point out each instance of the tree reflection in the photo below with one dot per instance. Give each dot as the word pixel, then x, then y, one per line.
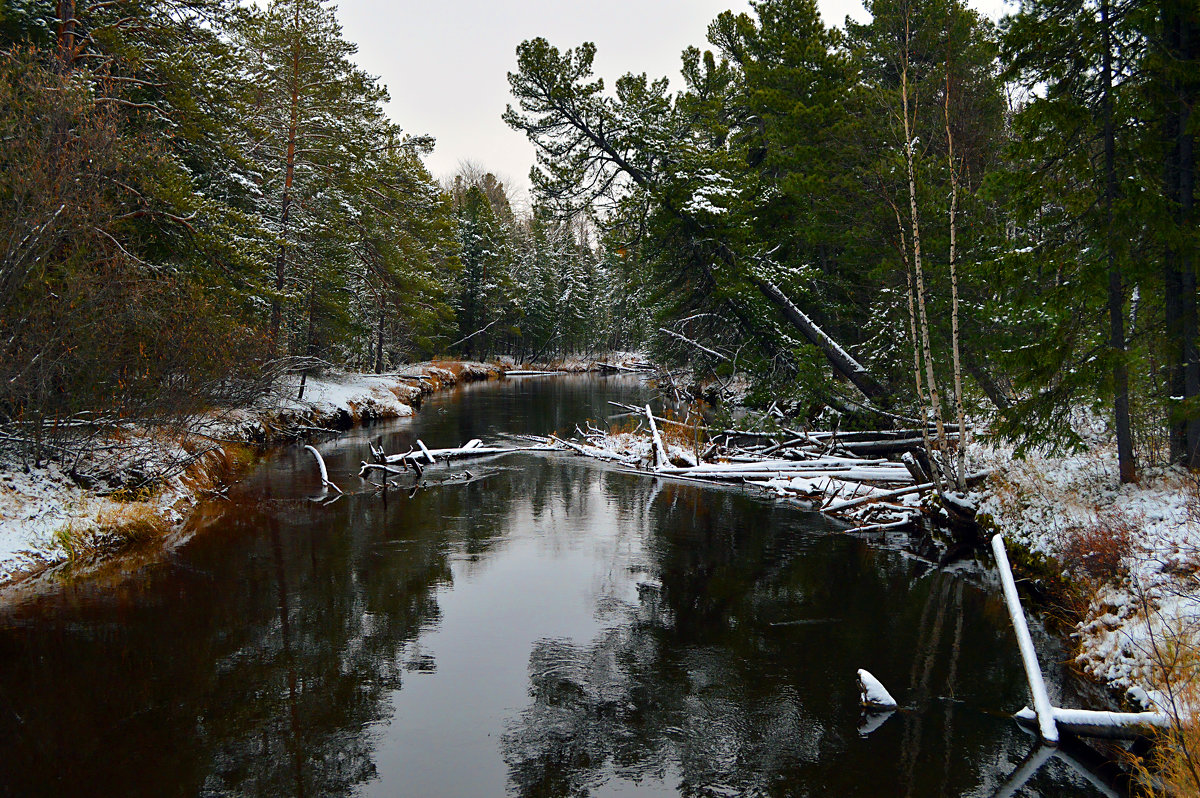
pixel 736 675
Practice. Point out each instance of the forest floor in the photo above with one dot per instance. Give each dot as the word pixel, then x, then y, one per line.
pixel 1120 563
pixel 118 498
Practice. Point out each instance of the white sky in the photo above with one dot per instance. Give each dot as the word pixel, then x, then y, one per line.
pixel 445 62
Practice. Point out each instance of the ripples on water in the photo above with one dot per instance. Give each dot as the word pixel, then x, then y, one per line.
pixel 553 628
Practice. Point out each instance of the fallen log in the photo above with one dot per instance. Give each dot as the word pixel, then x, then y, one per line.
pixel 321 466
pixel 449 454
pixel 1094 723
pixel 846 505
pixel 699 346
pixel 1033 671
pixel 660 452
pixel 873 694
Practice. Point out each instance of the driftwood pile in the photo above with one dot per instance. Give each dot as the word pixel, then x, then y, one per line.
pixel 875 480
pixel 847 475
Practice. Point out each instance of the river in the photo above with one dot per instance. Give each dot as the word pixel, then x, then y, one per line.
pixel 548 627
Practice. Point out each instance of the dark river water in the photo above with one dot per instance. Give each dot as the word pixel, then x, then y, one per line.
pixel 550 628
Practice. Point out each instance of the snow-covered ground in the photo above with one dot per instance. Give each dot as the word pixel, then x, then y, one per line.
pixel 1133 551
pixel 47 517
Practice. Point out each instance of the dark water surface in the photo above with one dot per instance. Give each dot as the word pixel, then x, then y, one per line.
pixel 551 628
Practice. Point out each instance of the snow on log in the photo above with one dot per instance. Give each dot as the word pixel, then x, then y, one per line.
pixel 321 466
pixel 819 465
pixel 450 454
pixel 838 357
pixel 837 507
pixel 873 694
pixel 365 467
pixel 425 451
pixel 1093 723
pixel 660 452
pixel 1033 671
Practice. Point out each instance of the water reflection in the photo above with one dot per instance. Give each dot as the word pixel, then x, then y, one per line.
pixel 553 629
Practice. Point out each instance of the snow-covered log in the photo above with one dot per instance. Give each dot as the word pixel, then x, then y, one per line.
pixel 1095 723
pixel 872 692
pixel 699 346
pixel 425 451
pixel 449 454
pixel 661 460
pixel 364 467
pixel 839 358
pixel 1033 671
pixel 842 506
pixel 321 466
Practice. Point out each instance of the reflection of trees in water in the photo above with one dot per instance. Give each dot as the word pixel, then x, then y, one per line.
pixel 736 676
pixel 258 668
pixel 348 648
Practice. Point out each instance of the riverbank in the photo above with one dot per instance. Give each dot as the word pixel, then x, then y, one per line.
pixel 139 485
pixel 1119 564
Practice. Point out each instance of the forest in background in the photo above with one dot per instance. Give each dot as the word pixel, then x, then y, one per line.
pixel 198 197
pixel 927 215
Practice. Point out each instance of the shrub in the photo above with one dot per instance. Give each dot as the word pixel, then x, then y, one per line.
pixel 1099 551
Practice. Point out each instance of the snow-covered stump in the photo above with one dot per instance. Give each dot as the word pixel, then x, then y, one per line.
pixel 321 466
pixel 1033 671
pixel 661 460
pixel 873 695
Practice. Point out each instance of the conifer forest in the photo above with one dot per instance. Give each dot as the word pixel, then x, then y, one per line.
pixel 924 210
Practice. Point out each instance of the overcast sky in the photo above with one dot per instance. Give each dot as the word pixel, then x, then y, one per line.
pixel 445 62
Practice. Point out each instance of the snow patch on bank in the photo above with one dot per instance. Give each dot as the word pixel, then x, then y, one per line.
pixel 353 394
pixel 46 516
pixel 1045 503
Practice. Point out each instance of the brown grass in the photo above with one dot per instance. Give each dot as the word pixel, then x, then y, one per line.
pixel 1099 552
pixel 116 526
pixel 1173 771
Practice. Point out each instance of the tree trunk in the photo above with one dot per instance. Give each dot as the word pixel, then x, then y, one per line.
pixel 960 472
pixel 909 157
pixel 379 340
pixel 1116 303
pixel 1189 53
pixel 289 176
pixel 310 346
pixel 66 32
pixel 842 362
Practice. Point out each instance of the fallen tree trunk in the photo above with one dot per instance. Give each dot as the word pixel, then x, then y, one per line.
pixel 321 466
pixel 841 361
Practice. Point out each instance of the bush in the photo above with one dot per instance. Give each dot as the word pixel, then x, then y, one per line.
pixel 1099 551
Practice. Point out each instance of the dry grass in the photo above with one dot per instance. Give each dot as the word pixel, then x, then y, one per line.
pixel 1173 771
pixel 115 526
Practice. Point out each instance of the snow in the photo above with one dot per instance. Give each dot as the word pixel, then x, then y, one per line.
pixel 39 506
pixel 874 694
pixel 45 514
pixel 354 393
pixel 1046 502
pixel 1033 670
